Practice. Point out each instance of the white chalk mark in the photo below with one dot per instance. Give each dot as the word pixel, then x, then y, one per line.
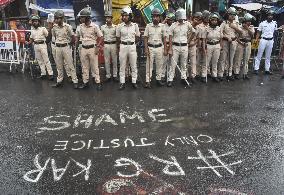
pixel 85 169
pixel 129 140
pixel 114 185
pixel 58 173
pixel 88 122
pixel 128 162
pixel 191 140
pixel 114 142
pixel 61 124
pixel 217 158
pixel 153 115
pixel 105 118
pixel 39 170
pixel 207 139
pixel 81 142
pixel 144 144
pixel 138 115
pixel 102 145
pixel 167 142
pixel 170 165
pixel 64 146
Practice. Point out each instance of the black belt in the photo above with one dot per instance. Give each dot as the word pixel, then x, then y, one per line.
pixel 213 42
pixel 155 46
pixel 109 42
pixel 88 46
pixel 80 42
pixel 127 43
pixel 179 44
pixel 245 40
pixel 61 44
pixel 233 39
pixel 53 43
pixel 268 39
pixel 39 42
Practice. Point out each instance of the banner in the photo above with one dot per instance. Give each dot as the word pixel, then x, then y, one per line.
pixel 97 9
pixel 147 10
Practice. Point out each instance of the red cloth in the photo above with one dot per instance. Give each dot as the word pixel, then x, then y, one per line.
pixel 4 3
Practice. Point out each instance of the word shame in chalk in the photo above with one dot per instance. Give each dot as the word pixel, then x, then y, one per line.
pixel 129 168
pixel 60 122
pixel 78 145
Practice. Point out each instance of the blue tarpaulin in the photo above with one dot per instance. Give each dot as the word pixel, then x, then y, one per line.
pixel 54 4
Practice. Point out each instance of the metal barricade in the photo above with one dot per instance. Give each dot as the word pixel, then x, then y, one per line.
pixel 9 48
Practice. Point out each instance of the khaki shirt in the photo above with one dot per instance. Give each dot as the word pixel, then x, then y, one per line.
pixel 167 32
pixel 227 30
pixel 196 35
pixel 39 34
pixel 89 34
pixel 245 34
pixel 62 34
pixel 202 31
pixel 109 32
pixel 214 34
pixel 127 32
pixel 181 32
pixel 155 33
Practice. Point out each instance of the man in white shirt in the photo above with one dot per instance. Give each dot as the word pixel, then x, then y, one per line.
pixel 266 30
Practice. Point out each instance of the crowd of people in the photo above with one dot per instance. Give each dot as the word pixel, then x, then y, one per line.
pixel 199 47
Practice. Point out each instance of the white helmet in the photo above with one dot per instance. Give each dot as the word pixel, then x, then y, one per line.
pixel 127 10
pixel 181 14
pixel 50 18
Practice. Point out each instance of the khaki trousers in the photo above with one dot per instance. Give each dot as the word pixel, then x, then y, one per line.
pixel 42 58
pixel 192 61
pixel 227 58
pixel 157 55
pixel 213 54
pixel 182 53
pixel 128 52
pixel 110 53
pixel 89 61
pixel 242 53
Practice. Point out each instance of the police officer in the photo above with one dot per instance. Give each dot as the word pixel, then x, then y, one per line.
pixel 192 47
pixel 181 33
pixel 266 30
pixel 244 45
pixel 229 28
pixel 170 18
pixel 64 36
pixel 213 47
pixel 38 38
pixel 127 33
pixel 91 37
pixel 201 55
pixel 110 47
pixel 154 47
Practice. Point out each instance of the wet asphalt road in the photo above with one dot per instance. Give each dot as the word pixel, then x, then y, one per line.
pixel 223 138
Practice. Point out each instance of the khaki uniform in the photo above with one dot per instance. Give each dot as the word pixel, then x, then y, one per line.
pixel 192 50
pixel 127 34
pixel 39 36
pixel 213 38
pixel 80 42
pixel 88 36
pixel 155 34
pixel 243 51
pixel 180 34
pixel 166 58
pixel 200 57
pixel 110 49
pixel 63 51
pixel 229 49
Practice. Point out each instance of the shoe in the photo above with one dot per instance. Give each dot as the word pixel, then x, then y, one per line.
pixel 84 86
pixel 185 82
pixel 203 79
pixel 170 84
pixel 255 72
pixel 115 79
pixel 246 77
pixel 75 86
pixel 42 77
pixel 135 86
pixel 193 81
pixel 197 77
pixel 56 85
pixel 147 85
pixel 221 79
pixel 99 87
pixel 160 83
pixel 208 75
pixel 268 73
pixel 69 79
pixel 122 86
pixel 282 77
pixel 107 80
pixel 50 77
pixel 215 79
pixel 230 78
pixel 237 77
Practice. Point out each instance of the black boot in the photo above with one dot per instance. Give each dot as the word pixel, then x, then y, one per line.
pixel 84 86
pixel 99 87
pixel 69 79
pixel 115 79
pixel 122 86
pixel 203 79
pixel 135 86
pixel 215 79
pixel 268 73
pixel 147 85
pixel 170 84
pixel 42 77
pixel 56 85
pixel 221 79
pixel 237 77
pixel 75 86
pixel 255 72
pixel 50 77
pixel 246 77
